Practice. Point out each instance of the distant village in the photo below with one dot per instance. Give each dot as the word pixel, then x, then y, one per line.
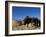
pixel 28 23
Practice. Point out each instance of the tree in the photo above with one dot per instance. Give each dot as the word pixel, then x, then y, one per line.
pixel 19 22
pixel 26 20
pixel 37 21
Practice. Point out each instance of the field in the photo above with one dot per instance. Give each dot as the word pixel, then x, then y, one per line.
pixel 30 26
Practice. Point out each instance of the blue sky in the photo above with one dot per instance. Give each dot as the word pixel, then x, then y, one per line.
pixel 21 12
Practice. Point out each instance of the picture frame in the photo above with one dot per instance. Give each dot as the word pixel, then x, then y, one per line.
pixel 9 12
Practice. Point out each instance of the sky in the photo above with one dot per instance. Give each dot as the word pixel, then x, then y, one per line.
pixel 21 12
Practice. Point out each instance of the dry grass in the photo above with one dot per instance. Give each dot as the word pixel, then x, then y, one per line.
pixel 22 27
pixel 15 26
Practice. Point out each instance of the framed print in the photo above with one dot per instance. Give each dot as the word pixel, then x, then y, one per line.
pixel 24 18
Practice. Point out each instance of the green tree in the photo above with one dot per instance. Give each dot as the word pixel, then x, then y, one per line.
pixel 26 20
